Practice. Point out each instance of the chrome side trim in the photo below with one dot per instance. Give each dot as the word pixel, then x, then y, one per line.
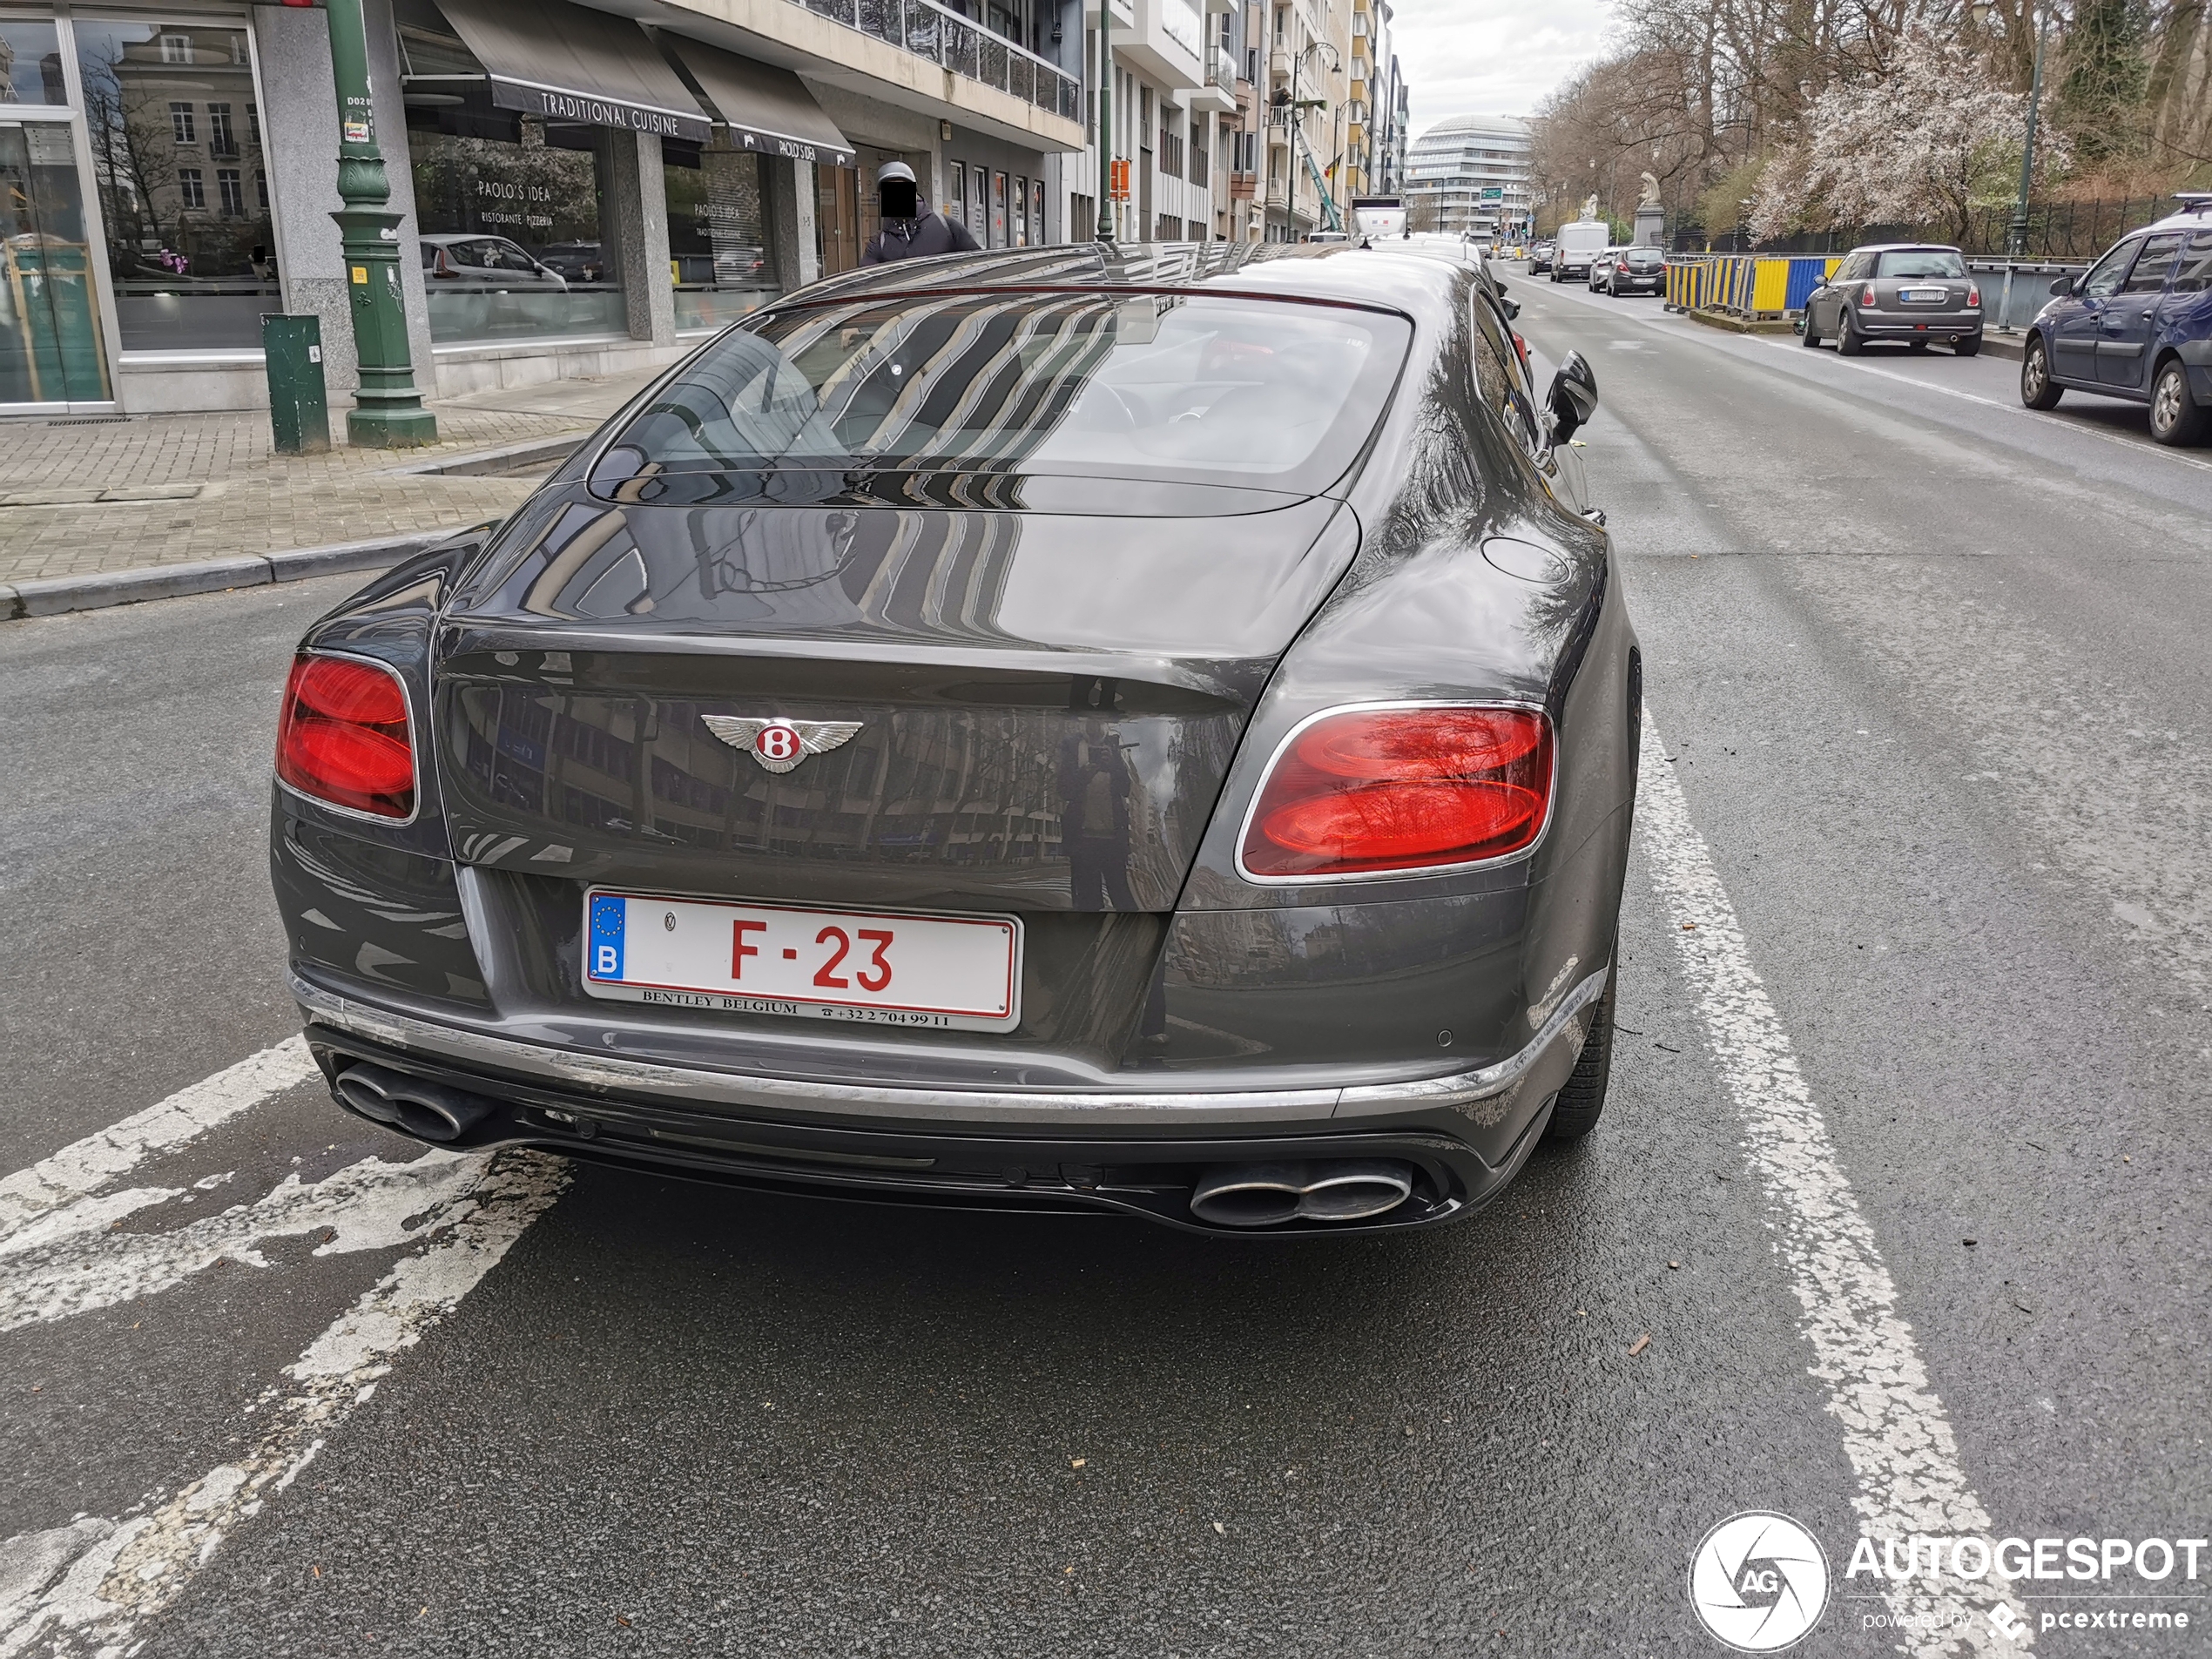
pixel 1057 1110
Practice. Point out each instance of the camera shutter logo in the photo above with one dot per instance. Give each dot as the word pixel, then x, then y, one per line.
pixel 1759 1582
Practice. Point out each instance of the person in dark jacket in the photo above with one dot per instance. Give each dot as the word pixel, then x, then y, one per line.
pixel 907 233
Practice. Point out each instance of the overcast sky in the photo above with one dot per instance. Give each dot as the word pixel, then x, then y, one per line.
pixel 1490 57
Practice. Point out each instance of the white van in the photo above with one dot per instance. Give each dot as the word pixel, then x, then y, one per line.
pixel 1579 243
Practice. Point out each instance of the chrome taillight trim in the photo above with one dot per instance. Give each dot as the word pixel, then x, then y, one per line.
pixel 1416 871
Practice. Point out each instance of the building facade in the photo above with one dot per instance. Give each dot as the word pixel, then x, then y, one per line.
pixel 582 189
pixel 1469 176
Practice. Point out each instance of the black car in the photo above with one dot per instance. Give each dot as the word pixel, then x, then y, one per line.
pixel 1914 293
pixel 1141 729
pixel 1636 269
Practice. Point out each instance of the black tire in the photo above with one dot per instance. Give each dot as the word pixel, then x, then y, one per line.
pixel 1575 1113
pixel 1812 334
pixel 1970 347
pixel 2038 389
pixel 1918 345
pixel 2175 416
pixel 1849 340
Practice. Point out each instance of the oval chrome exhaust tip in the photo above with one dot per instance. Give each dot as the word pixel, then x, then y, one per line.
pixel 1267 1195
pixel 1357 1190
pixel 1249 1195
pixel 413 1105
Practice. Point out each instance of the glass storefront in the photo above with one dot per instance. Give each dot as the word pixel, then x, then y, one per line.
pixel 718 232
pixel 510 230
pixel 184 193
pixel 49 330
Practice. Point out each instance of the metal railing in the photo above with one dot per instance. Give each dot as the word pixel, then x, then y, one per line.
pixel 946 38
pixel 1221 70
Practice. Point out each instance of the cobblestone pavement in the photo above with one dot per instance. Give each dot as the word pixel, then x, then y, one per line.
pixel 84 497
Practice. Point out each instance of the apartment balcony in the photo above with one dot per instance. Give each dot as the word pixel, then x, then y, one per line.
pixel 944 37
pixel 1217 93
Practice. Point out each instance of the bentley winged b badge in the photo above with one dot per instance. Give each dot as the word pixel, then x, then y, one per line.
pixel 780 744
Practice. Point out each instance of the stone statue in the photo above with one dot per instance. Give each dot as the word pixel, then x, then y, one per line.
pixel 1589 206
pixel 1650 197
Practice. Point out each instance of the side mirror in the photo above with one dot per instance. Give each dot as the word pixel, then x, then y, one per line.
pixel 2063 287
pixel 1512 307
pixel 1573 398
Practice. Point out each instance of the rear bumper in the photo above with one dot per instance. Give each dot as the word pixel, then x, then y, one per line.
pixel 1134 1152
pixel 1935 328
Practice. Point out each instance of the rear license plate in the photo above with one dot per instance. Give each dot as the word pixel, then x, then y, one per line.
pixel 1923 296
pixel 879 967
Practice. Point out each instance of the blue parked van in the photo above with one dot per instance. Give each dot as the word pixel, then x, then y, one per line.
pixel 2135 325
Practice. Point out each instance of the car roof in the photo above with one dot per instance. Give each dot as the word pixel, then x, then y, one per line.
pixel 1906 247
pixel 2196 216
pixel 1401 280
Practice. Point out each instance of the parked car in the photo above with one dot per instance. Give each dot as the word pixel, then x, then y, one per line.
pixel 462 261
pixel 2136 325
pixel 1540 258
pixel 1913 292
pixel 1601 265
pixel 1023 811
pixel 1636 269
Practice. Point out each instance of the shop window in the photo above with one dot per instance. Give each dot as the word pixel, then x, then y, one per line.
pixel 189 274
pixel 30 62
pixel 1020 212
pixel 998 210
pixel 510 217
pixel 720 249
pixel 1037 209
pixel 50 330
pixel 956 192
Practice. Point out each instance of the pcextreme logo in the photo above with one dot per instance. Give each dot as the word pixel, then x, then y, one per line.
pixel 1759 1582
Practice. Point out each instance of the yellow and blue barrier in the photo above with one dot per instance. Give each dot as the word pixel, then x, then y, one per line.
pixel 1754 287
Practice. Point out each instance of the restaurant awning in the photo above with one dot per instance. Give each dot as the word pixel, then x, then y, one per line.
pixel 569 63
pixel 765 108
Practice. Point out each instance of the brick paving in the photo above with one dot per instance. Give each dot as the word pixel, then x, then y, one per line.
pixel 80 498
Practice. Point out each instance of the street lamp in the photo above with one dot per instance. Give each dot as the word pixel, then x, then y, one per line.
pixel 1105 121
pixel 388 412
pixel 2017 241
pixel 1297 126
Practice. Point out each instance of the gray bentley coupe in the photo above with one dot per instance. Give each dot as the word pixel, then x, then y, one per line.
pixel 1148 729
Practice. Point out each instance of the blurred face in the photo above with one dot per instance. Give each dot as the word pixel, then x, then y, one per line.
pixel 898 199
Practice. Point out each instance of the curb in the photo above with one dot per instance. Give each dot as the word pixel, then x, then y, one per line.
pixel 1739 325
pixel 53 596
pixel 509 457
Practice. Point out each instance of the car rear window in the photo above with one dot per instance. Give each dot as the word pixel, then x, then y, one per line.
pixel 1922 262
pixel 1198 389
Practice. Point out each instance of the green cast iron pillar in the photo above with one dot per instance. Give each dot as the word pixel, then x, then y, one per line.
pixel 388 412
pixel 1106 121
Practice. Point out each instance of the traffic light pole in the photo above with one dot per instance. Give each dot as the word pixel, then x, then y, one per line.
pixel 388 412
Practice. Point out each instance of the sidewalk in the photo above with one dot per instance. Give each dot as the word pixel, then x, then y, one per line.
pixel 92 495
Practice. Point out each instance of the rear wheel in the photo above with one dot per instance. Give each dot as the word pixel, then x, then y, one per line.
pixel 1849 340
pixel 2038 390
pixel 1812 334
pixel 1969 347
pixel 2175 417
pixel 1918 345
pixel 1575 1113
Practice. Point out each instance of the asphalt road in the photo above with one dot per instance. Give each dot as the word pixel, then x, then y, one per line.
pixel 1931 677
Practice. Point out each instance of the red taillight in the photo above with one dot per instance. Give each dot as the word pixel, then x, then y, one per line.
pixel 344 737
pixel 1402 789
pixel 1974 293
pixel 1866 295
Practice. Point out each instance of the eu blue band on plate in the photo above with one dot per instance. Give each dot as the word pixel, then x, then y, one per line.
pixel 609 912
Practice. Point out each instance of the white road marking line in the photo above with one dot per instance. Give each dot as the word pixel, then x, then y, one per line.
pixel 1896 1433
pixel 87 1588
pixel 366 1206
pixel 86 1165
pixel 2135 446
